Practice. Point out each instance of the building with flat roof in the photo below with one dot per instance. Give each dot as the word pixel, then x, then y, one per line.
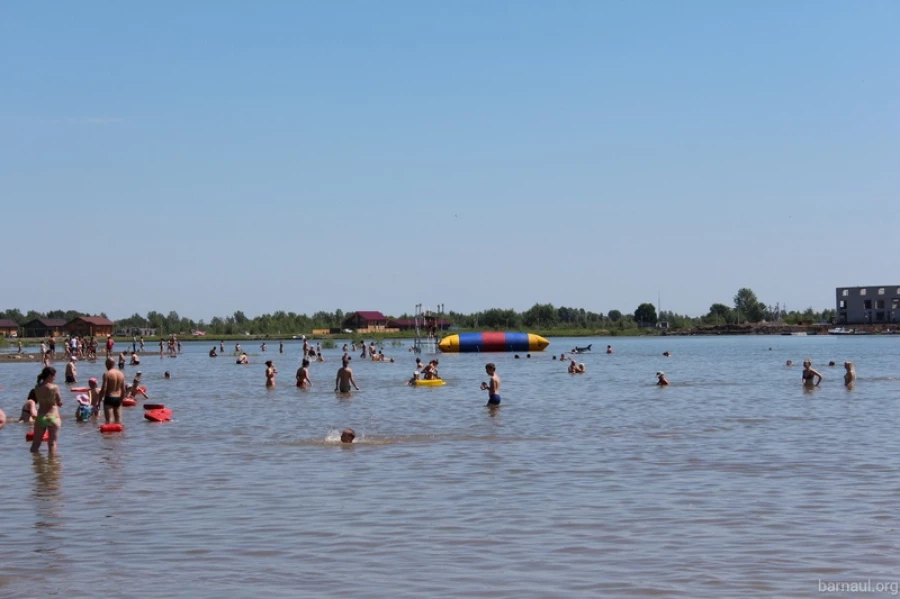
pixel 868 305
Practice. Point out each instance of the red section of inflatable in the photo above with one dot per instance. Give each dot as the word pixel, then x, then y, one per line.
pixel 79 389
pixel 153 406
pixel 111 428
pixel 493 341
pixel 160 415
pixel 29 436
pixel 142 389
pixel 128 402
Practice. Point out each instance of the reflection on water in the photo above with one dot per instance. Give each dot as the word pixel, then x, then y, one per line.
pixel 732 481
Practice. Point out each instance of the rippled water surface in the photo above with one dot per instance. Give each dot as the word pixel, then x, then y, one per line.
pixel 733 481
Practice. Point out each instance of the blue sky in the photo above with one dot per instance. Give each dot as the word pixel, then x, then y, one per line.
pixel 207 157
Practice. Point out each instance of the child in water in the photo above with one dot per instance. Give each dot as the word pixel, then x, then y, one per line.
pixel 493 386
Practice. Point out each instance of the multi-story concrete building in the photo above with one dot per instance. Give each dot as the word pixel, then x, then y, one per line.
pixel 868 305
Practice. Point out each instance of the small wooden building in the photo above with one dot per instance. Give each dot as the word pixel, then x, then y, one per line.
pixel 43 327
pixel 365 321
pixel 8 328
pixel 90 326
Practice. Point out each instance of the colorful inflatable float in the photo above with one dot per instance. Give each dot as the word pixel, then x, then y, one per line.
pixel 485 342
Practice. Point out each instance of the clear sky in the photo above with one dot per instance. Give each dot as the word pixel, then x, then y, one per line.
pixel 207 157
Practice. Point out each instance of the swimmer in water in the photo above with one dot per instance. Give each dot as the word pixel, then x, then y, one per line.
pixel 29 409
pixel 213 353
pixel 303 380
pixel 661 379
pixel 667 353
pixel 167 375
pixel 415 379
pixel 348 435
pixel 789 363
pixel 809 373
pixel 493 386
pixel 243 359
pixel 609 349
pixel 850 376
pixel 344 378
pixel 580 368
pixel 572 367
pixel 270 374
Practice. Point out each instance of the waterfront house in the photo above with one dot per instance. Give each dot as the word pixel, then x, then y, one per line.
pixel 367 321
pixel 8 328
pixel 90 326
pixel 868 305
pixel 43 327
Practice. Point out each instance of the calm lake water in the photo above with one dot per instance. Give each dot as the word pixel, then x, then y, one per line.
pixel 732 482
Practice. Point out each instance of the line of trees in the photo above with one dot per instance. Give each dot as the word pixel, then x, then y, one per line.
pixel 746 307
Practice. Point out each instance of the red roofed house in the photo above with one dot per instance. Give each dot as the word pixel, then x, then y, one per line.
pixel 8 328
pixel 365 321
pixel 90 326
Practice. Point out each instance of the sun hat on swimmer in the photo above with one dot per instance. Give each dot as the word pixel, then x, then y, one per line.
pixel 83 399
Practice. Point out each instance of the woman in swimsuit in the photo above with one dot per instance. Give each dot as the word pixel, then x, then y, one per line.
pixel 809 373
pixel 850 377
pixel 48 402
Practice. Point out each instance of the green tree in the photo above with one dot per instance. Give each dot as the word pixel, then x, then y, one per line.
pixel 645 314
pixel 614 315
pixel 748 306
pixel 540 315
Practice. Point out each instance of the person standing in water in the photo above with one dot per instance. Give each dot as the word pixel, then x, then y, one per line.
pixel 809 373
pixel 71 372
pixel 492 386
pixel 270 374
pixel 303 380
pixel 661 379
pixel 344 378
pixel 49 402
pixel 850 376
pixel 112 391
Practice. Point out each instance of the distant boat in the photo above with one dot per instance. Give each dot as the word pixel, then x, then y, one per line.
pixel 798 334
pixel 841 331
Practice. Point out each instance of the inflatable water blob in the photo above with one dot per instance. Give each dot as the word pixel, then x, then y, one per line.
pixel 29 436
pixel 111 428
pixel 158 415
pixel 79 389
pixel 487 342
pixel 153 406
pixel 129 402
pixel 430 383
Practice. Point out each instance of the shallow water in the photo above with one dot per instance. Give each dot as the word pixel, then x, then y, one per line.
pixel 733 481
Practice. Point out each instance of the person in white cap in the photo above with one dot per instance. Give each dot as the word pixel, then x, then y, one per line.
pixel 71 371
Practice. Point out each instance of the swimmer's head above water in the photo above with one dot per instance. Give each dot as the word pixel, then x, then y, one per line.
pixel 348 435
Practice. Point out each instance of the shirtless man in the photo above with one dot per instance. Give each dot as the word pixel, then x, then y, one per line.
pixel 344 378
pixel 270 374
pixel 493 386
pixel 71 372
pixel 303 380
pixel 109 345
pixel 850 377
pixel 135 359
pixel 122 361
pixel 348 435
pixel 661 379
pixel 112 391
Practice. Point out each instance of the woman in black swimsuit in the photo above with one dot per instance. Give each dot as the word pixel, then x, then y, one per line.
pixel 809 373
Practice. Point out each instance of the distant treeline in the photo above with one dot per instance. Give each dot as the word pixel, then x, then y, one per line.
pixel 546 317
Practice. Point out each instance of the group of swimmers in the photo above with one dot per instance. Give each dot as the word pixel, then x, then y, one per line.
pixel 812 378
